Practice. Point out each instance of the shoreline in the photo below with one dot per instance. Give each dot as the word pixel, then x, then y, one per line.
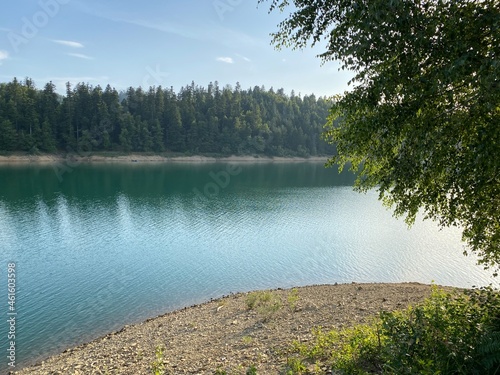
pixel 224 333
pixel 19 159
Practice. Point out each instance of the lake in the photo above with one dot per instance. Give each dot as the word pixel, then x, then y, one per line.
pixel 101 246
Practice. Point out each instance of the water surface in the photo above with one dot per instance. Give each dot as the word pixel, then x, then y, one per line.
pixel 108 245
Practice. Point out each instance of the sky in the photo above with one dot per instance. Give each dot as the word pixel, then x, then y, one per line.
pixel 156 43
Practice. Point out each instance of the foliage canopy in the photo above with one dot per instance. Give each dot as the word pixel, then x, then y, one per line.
pixel 449 333
pixel 422 122
pixel 210 120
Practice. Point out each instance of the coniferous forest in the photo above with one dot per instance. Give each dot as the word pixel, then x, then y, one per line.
pixel 195 120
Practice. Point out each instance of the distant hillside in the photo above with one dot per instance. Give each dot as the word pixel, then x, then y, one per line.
pixel 195 120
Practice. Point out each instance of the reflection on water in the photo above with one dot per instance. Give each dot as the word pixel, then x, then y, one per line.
pixel 112 245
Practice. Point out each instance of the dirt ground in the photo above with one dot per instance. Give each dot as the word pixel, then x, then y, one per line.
pixel 226 334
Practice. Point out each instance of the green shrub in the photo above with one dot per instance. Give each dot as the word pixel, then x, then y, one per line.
pixel 295 366
pixel 353 350
pixel 266 303
pixel 252 370
pixel 246 340
pixel 253 299
pixel 293 298
pixel 158 366
pixel 449 333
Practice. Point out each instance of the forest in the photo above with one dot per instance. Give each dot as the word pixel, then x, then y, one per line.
pixel 195 120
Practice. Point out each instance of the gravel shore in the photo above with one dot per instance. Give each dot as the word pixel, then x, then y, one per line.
pixel 226 334
pixel 75 159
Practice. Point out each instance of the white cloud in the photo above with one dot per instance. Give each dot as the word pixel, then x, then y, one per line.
pixel 80 56
pixel 243 57
pixel 167 27
pixel 227 60
pixel 68 43
pixel 200 32
pixel 4 55
pixel 163 26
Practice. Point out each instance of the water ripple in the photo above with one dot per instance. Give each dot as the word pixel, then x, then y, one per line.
pixel 96 265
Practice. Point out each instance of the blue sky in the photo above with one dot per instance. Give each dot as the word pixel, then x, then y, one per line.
pixel 169 43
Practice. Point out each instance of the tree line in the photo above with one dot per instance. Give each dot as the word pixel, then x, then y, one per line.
pixel 194 120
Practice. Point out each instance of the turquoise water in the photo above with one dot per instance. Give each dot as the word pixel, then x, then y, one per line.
pixel 102 246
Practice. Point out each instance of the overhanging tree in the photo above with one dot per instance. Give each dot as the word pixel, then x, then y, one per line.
pixel 422 122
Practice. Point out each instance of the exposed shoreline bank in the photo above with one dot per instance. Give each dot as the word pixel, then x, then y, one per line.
pixel 224 333
pixel 147 158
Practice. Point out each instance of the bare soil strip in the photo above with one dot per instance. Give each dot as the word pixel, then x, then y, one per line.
pixel 142 158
